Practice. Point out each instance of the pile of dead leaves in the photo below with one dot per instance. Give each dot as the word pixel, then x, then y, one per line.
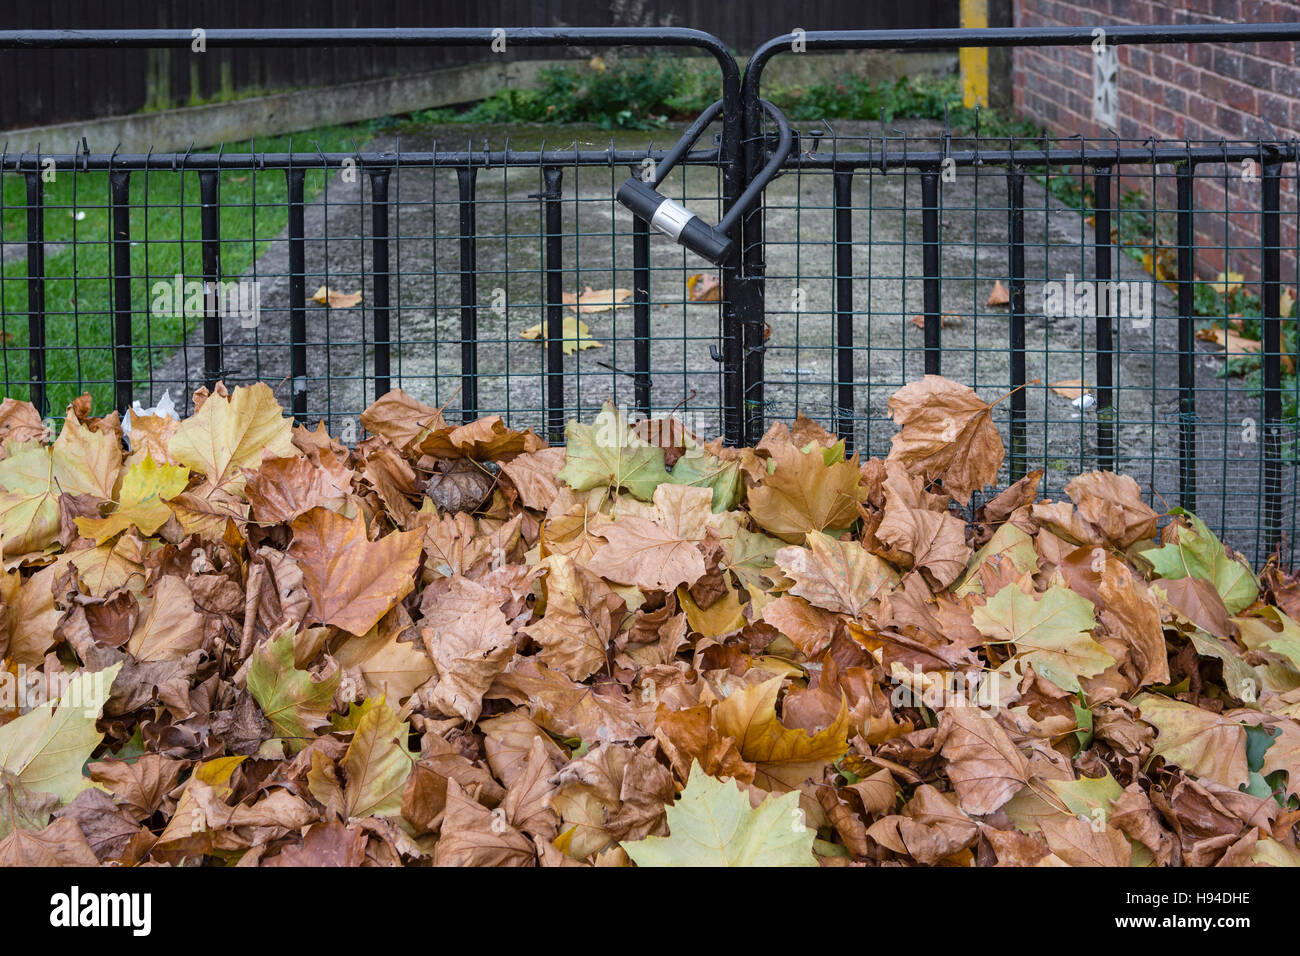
pixel 233 640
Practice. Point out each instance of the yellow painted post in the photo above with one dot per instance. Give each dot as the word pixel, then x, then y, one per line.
pixel 974 60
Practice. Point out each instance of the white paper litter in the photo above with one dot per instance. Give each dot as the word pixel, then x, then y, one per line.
pixel 1084 401
pixel 165 408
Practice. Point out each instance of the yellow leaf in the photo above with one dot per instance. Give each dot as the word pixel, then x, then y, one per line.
pixel 724 616
pixel 1227 282
pixel 228 435
pixel 145 487
pixel 749 716
pixel 335 299
pixel 576 335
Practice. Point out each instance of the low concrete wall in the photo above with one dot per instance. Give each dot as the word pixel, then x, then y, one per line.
pixel 208 125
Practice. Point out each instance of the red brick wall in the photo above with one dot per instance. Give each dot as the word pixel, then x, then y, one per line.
pixel 1178 91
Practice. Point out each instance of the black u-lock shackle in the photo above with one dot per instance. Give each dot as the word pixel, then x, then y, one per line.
pixel 680 224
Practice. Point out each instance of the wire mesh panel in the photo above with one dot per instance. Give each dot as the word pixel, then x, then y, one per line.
pixel 1117 320
pixel 488 280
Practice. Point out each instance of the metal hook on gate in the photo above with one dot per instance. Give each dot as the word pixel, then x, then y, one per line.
pixel 679 223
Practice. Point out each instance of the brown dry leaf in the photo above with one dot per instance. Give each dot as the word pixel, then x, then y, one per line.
pixel 172 627
pixel 283 488
pixel 929 830
pixel 984 765
pixel 150 435
pixel 1071 388
pixel 470 642
pixel 485 439
pixel 1113 504
pixel 333 844
pixel 567 708
pixel 401 419
pixel 702 288
pixel 947 320
pixel 809 628
pixel 1200 741
pixel 20 422
pixel 352 581
pixel 804 494
pixel 688 736
pixel 638 551
pixel 60 844
pixel 507 742
pixel 1236 345
pixel 335 299
pixel 1126 608
pixel 527 804
pixel 998 295
pixel 1078 843
pixel 389 667
pixel 597 300
pixel 473 835
pixel 534 474
pixel 934 541
pixel 748 716
pixel 582 613
pixel 946 432
pixel 459 484
pixel 840 576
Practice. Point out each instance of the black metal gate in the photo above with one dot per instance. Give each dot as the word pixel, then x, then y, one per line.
pixel 536 224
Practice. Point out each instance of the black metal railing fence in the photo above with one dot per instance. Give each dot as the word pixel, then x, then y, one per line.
pixel 869 262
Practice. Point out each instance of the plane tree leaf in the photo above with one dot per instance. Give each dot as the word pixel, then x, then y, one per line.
pixel 46 748
pixel 713 824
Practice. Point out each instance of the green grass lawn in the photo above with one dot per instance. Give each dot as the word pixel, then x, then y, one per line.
pixel 166 239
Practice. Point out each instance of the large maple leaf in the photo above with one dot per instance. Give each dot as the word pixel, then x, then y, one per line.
pixel 804 494
pixel 713 824
pixel 946 431
pixel 352 581
pixel 227 435
pixel 1052 631
pixel 296 705
pixel 609 453
pixel 46 747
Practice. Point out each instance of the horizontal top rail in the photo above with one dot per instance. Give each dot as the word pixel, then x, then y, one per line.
pixel 1092 156
pixel 364 36
pixel 917 39
pixel 34 162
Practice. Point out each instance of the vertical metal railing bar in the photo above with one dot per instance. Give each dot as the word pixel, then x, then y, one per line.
pixel 1103 201
pixel 845 416
pixel 641 312
pixel 1016 254
pixel 210 227
pixel 123 378
pixel 1186 338
pixel 552 186
pixel 379 212
pixel 36 292
pixel 466 180
pixel 1271 345
pixel 295 178
pixel 930 268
